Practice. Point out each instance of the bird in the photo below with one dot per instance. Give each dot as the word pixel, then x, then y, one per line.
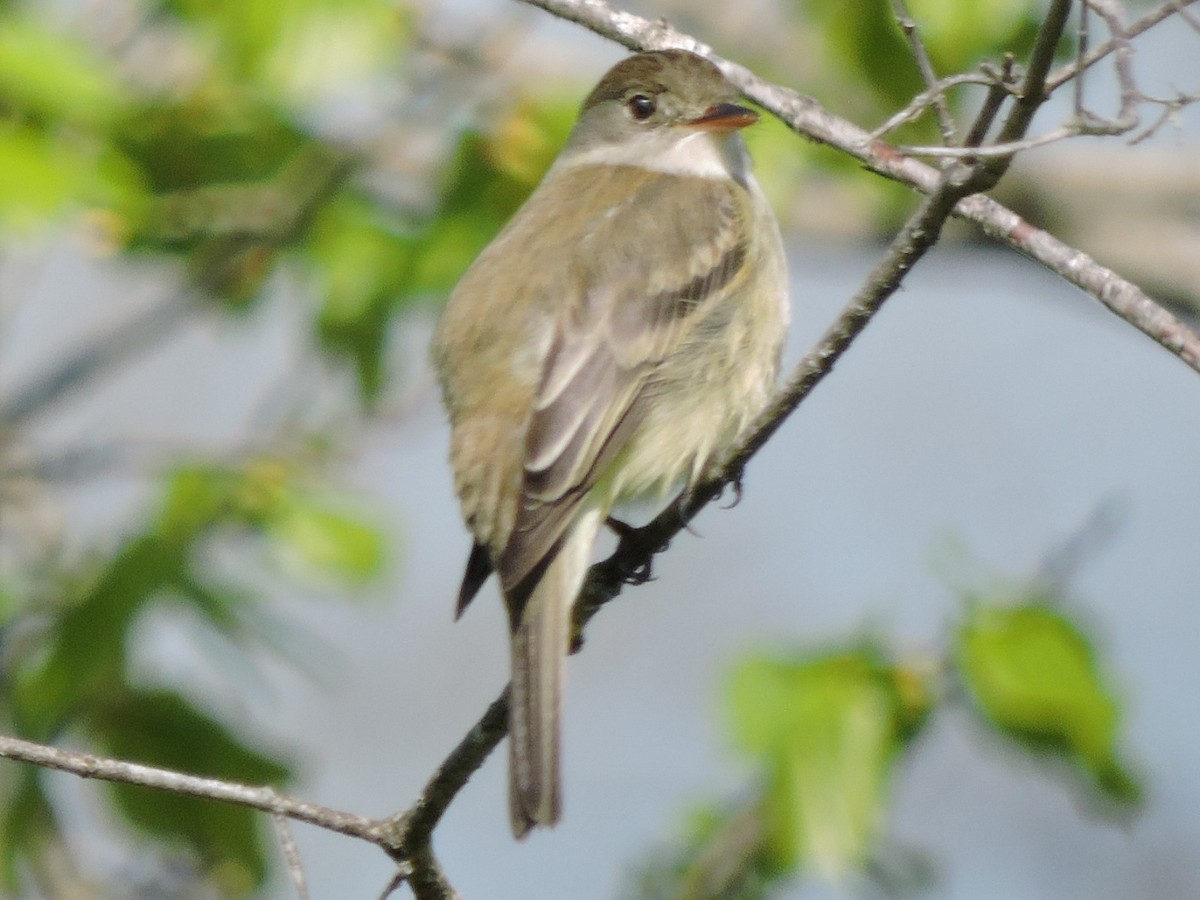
pixel 618 335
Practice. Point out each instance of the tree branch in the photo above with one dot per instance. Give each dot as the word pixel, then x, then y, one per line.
pixel 930 95
pixel 1032 93
pixel 418 865
pixel 908 26
pixel 291 855
pixel 264 799
pixel 413 827
pixel 807 117
pixel 1145 23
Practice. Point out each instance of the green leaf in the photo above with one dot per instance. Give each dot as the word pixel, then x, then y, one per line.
pixel 86 653
pixel 326 539
pixel 477 199
pixel 220 170
pixel 865 42
pixel 1034 676
pixel 194 498
pixel 827 729
pixel 489 177
pixel 161 728
pixel 46 177
pixel 209 138
pixel 293 50
pixel 363 263
pixel 40 178
pixel 54 76
pixel 370 267
pixel 362 260
pixel 86 644
pixel 10 604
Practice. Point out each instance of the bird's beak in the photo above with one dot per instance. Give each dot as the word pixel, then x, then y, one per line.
pixel 724 117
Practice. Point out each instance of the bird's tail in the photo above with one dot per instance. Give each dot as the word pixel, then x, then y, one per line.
pixel 539 650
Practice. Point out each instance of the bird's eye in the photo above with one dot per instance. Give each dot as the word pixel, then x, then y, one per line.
pixel 641 107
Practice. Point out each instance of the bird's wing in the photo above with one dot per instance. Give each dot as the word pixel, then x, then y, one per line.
pixel 649 271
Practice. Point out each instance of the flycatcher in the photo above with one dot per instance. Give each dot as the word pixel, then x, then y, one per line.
pixel 610 343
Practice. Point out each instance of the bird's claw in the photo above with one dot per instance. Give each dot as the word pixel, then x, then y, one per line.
pixel 736 483
pixel 633 537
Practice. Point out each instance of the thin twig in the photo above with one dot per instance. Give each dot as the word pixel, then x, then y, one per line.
pixel 1083 61
pixel 1127 116
pixel 1081 47
pixel 1032 93
pixel 414 826
pixel 264 799
pixel 1186 15
pixel 1159 14
pixel 411 850
pixel 1170 109
pixel 920 54
pixel 396 883
pixel 999 89
pixel 998 151
pixel 291 855
pixel 927 98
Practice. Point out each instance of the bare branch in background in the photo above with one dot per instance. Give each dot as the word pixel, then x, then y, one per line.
pixel 1127 117
pixel 1171 107
pixel 98 356
pixel 912 34
pixel 291 855
pixel 1138 26
pixel 1000 151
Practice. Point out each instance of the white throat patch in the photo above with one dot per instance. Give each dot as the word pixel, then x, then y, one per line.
pixel 679 150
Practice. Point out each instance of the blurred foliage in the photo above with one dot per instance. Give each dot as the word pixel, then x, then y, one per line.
pixel 1034 676
pixel 827 730
pixel 372 267
pixel 69 675
pixel 868 57
pixel 162 728
pixel 226 172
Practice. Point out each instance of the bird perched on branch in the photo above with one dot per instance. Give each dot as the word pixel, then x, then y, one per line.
pixel 611 342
